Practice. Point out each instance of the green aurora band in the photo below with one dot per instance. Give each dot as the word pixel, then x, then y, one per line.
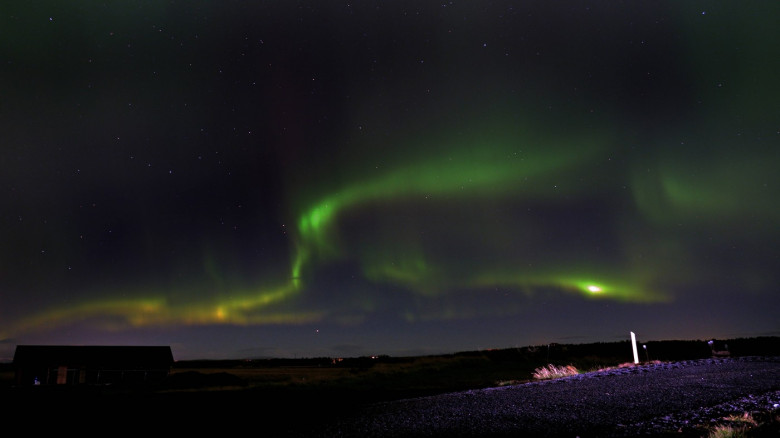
pixel 723 189
pixel 509 167
pixel 512 167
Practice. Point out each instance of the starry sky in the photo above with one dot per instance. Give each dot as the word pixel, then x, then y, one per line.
pixel 243 179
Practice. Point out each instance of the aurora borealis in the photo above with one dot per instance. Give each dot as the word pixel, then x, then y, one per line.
pixel 252 179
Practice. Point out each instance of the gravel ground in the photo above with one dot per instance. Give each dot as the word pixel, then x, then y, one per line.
pixel 681 398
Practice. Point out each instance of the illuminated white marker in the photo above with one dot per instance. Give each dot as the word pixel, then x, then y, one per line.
pixel 633 345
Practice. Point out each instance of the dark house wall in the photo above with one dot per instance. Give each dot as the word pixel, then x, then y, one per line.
pixel 96 365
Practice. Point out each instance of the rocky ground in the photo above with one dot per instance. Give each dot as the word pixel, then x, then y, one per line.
pixel 678 399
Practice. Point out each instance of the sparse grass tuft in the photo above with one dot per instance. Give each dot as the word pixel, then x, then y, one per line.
pixel 725 431
pixel 745 418
pixel 553 372
pixel 747 425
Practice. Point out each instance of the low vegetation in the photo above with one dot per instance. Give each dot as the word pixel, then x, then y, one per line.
pixel 745 419
pixel 726 431
pixel 554 372
pixel 748 425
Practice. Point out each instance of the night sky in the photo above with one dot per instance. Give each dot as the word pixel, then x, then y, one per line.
pixel 243 179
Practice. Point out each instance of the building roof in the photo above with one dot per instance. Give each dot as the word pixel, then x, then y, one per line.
pixel 100 356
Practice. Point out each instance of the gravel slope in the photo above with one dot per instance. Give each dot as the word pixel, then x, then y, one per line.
pixel 643 400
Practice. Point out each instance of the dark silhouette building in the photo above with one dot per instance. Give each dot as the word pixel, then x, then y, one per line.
pixel 91 365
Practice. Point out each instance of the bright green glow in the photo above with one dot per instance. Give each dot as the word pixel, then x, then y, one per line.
pixel 436 277
pixel 310 223
pixel 614 288
pixel 594 289
pixel 468 171
pixel 618 284
pixel 506 294
pixel 507 166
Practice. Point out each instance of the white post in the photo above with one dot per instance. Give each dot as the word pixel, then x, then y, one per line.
pixel 633 345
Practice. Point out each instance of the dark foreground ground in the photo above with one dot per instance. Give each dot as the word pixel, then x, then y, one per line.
pixel 683 398
pixel 677 399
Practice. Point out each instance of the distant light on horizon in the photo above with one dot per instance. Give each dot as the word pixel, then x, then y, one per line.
pixel 594 289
